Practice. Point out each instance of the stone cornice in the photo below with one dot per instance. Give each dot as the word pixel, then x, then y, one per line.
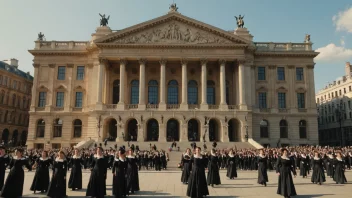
pixel 36 65
pixel 52 65
pixel 180 46
pixel 293 54
pixel 58 53
pixel 310 66
pixel 70 65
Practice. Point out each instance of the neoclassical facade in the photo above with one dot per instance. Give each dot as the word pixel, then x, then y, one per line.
pixel 172 78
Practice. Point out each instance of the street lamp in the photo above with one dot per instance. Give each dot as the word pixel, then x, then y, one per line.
pixel 340 112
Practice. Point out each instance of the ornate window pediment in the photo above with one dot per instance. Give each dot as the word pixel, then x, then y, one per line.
pixel 262 89
pixel 301 90
pixel 281 89
pixel 61 87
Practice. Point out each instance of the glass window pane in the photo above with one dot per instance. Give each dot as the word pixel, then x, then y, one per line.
pixel 80 72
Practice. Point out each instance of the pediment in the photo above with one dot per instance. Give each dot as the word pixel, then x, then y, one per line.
pixel 172 29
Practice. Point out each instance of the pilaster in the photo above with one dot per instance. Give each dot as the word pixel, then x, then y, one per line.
pixel 35 87
pixel 121 104
pixel 242 85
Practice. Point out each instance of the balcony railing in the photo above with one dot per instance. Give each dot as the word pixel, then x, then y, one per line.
pixel 233 107
pixel 110 106
pixel 152 106
pixel 77 109
pixel 172 106
pixel 302 110
pixel 193 106
pixel 282 110
pixel 58 108
pixel 60 45
pixel 213 106
pixel 264 110
pixel 132 106
pixel 270 46
pixel 40 109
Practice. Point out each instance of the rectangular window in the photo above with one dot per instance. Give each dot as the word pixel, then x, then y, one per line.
pixel 344 90
pixel 262 100
pixel 42 99
pixel 336 94
pixel 5 81
pixel 299 74
pixel 280 73
pixel 79 99
pixel 80 73
pixel 61 73
pixel 301 101
pixel 282 100
pixel 261 73
pixel 60 99
pixel 14 84
pixel 349 104
pixel 350 88
pixel 340 92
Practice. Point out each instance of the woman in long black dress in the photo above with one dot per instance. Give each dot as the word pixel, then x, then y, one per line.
pixel 4 162
pixel 213 171
pixel 119 174
pixel 284 167
pixel 231 165
pixel 339 174
pixel 262 168
pixel 186 166
pixel 75 181
pixel 132 173
pixel 330 170
pixel 13 186
pixel 97 181
pixel 57 187
pixel 197 185
pixel 304 166
pixel 318 176
pixel 41 178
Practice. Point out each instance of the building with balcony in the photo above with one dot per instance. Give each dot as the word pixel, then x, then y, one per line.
pixel 173 78
pixel 335 111
pixel 15 100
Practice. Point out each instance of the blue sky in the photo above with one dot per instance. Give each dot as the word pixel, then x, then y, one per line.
pixel 269 20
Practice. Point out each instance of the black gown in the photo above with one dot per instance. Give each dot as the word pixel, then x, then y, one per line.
pixel 330 170
pixel 132 174
pixel 119 189
pixel 57 187
pixel 75 181
pixel 285 187
pixel 186 168
pixel 318 175
pixel 4 162
pixel 304 166
pixel 339 174
pixel 197 184
pixel 213 177
pixel 97 181
pixel 262 170
pixel 231 167
pixel 41 178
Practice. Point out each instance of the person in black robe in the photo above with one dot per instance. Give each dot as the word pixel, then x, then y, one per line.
pixel 262 168
pixel 304 167
pixel 213 171
pixel 339 174
pixel 57 186
pixel 231 165
pixel 318 175
pixel 186 166
pixel 197 185
pixel 75 181
pixel 97 181
pixel 284 167
pixel 119 188
pixel 4 162
pixel 41 178
pixel 132 173
pixel 330 168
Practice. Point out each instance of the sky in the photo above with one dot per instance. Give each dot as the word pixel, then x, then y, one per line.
pixel 328 22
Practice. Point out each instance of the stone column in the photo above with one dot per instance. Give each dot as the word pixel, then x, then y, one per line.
pixel 99 104
pixel 34 99
pixel 204 104
pixel 71 95
pixel 51 90
pixel 248 83
pixel 242 85
pixel 121 104
pixel 162 133
pixel 184 103
pixel 162 103
pixel 142 105
pixel 184 132
pixel 223 104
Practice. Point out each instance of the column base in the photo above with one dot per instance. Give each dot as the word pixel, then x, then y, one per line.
pixel 243 107
pixel 99 106
pixel 162 139
pixel 120 106
pixel 204 106
pixel 184 107
pixel 162 107
pixel 142 107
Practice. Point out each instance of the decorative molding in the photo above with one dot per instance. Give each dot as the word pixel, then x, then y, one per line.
pixel 291 66
pixel 123 61
pixel 241 61
pixel 222 62
pixel 52 65
pixel 90 65
pixel 310 66
pixel 262 89
pixel 70 65
pixel 36 65
pixel 163 61
pixel 184 61
pixel 142 61
pixel 103 61
pixel 301 90
pixel 281 89
pixel 272 66
pixel 203 61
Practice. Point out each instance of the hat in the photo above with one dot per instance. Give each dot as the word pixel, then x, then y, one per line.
pixel 122 150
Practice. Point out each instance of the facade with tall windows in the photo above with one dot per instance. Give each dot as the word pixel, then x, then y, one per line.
pixel 173 78
pixel 15 100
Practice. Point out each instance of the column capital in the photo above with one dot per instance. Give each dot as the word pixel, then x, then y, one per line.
pixel 311 66
pixel 123 61
pixel 103 60
pixel 36 65
pixel 184 61
pixel 163 61
pixel 142 61
pixel 203 61
pixel 241 61
pixel 52 65
pixel 272 66
pixel 222 62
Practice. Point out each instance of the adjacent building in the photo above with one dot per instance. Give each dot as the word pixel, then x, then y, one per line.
pixel 15 100
pixel 173 78
pixel 335 111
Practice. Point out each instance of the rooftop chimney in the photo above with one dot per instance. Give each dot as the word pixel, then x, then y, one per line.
pixel 12 62
pixel 348 69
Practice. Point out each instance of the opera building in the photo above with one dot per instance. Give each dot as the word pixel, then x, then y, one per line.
pixel 172 78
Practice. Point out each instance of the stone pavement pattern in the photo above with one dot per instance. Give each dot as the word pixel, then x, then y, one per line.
pixel 167 184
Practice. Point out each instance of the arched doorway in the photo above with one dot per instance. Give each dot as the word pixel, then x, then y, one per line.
pixel 132 130
pixel 234 130
pixel 24 138
pixel 5 136
pixel 193 130
pixel 152 130
pixel 172 133
pixel 112 130
pixel 116 92
pixel 15 138
pixel 213 130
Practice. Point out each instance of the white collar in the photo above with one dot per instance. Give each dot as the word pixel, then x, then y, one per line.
pixel 76 157
pixel 285 158
pixel 119 159
pixel 231 155
pixel 59 160
pixel 339 159
pixel 4 156
pixel 43 159
pixel 99 157
pixel 214 155
pixel 303 155
pixel 19 159
pixel 262 156
pixel 316 158
pixel 198 157
pixel 131 156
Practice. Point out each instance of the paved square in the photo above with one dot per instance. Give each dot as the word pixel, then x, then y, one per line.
pixel 167 184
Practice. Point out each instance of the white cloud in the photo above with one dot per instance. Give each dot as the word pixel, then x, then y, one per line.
pixel 342 41
pixel 331 53
pixel 343 20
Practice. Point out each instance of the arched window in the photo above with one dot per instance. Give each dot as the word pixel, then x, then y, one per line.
pixel 5 136
pixel 19 102
pixel 15 137
pixel 210 92
pixel 116 92
pixel 172 92
pixel 228 92
pixel 172 133
pixel 5 116
pixel 77 128
pixel 13 99
pixel 264 129
pixel 153 92
pixel 57 128
pixel 302 129
pixel 193 130
pixel 192 92
pixel 2 97
pixel 152 130
pixel 19 121
pixel 135 92
pixel 283 129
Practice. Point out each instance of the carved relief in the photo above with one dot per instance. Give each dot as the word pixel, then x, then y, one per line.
pixel 174 32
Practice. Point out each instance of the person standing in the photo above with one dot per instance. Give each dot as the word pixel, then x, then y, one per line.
pixel 132 173
pixel 262 168
pixel 304 167
pixel 197 185
pixel 41 178
pixel 97 181
pixel 75 181
pixel 14 182
pixel 284 167
pixel 318 176
pixel 119 171
pixel 339 174
pixel 186 166
pixel 57 187
pixel 213 172
pixel 4 162
pixel 231 166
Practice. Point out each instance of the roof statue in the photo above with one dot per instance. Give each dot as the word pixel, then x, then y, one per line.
pixel 104 21
pixel 41 37
pixel 240 22
pixel 173 8
pixel 307 38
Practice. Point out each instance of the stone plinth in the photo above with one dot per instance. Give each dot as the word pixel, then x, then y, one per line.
pixel 243 33
pixel 101 32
